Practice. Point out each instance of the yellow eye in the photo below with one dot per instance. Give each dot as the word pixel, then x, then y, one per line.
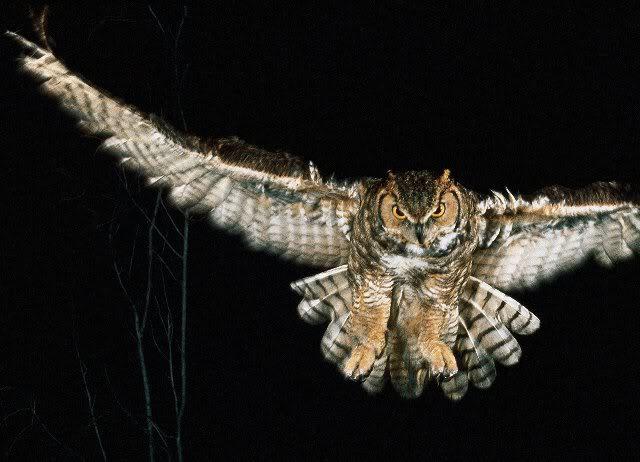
pixel 399 214
pixel 437 213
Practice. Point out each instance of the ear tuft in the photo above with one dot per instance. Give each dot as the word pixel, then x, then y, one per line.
pixel 444 178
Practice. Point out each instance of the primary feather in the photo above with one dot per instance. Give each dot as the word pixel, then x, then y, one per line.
pixel 276 201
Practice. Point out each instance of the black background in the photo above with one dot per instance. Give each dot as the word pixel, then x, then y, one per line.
pixel 504 95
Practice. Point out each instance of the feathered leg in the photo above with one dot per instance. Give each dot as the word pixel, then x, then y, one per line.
pixel 430 330
pixel 367 324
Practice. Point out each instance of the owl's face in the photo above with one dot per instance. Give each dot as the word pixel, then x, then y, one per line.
pixel 423 214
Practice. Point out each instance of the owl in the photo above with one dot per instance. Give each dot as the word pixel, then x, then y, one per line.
pixel 415 265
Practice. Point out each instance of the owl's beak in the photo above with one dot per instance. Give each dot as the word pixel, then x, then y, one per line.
pixel 420 232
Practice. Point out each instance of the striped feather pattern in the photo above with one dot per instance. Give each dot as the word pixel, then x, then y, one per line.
pixel 374 383
pixel 486 317
pixel 483 324
pixel 275 200
pixel 477 363
pixel 326 296
pixel 527 240
pixel 336 344
pixel 490 333
pixel 513 315
pixel 455 387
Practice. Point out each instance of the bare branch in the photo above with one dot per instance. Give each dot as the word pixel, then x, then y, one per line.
pixel 175 225
pixel 147 297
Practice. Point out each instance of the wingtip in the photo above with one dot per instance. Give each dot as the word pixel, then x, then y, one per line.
pixel 23 42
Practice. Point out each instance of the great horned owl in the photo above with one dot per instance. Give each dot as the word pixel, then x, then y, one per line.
pixel 418 262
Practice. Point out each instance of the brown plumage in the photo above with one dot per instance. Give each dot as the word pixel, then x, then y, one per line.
pixel 417 262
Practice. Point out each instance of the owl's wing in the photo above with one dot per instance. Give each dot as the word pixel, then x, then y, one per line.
pixel 277 201
pixel 525 240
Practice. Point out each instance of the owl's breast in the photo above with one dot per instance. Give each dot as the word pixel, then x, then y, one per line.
pixel 402 266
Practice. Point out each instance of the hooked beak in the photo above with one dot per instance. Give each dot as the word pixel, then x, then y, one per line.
pixel 420 233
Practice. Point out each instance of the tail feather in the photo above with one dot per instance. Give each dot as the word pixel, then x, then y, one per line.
pixel 326 296
pixel 490 333
pixel 456 386
pixel 408 381
pixel 336 344
pixel 479 366
pixel 486 318
pixel 398 371
pixel 325 309
pixel 375 382
pixel 322 284
pixel 516 317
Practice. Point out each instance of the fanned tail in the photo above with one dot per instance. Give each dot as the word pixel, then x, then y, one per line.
pixel 326 296
pixel 477 363
pixel 486 319
pixel 490 333
pixel 513 315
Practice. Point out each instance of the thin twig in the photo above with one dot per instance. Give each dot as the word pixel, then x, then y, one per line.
pixel 166 266
pixel 175 226
pixel 147 297
pixel 94 421
pixel 17 437
pixel 35 419
pixel 156 18
pixel 144 214
pixel 146 387
pixel 140 326
pixel 176 43
pixel 183 341
pixel 133 250
pixel 137 419
pixel 176 401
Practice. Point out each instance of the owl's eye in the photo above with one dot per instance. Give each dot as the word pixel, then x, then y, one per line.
pixel 437 213
pixel 399 214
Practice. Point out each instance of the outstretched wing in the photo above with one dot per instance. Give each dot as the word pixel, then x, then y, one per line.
pixel 528 239
pixel 278 202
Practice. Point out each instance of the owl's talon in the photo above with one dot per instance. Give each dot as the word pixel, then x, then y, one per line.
pixel 440 359
pixel 360 362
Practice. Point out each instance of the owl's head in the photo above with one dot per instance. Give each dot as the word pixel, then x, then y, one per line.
pixel 424 214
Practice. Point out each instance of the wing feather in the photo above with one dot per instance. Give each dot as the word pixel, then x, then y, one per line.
pixel 275 200
pixel 525 240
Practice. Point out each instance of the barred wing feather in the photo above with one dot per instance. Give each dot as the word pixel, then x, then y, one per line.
pixel 276 201
pixel 529 239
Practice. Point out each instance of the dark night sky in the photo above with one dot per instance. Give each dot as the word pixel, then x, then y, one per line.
pixel 518 96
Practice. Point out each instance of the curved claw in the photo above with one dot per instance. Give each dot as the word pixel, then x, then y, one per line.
pixel 440 359
pixel 360 362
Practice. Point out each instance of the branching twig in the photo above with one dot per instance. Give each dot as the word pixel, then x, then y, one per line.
pixel 122 177
pixel 35 419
